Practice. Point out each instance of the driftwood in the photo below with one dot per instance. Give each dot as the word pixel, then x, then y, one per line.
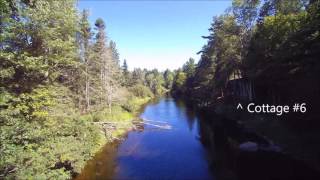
pixel 163 122
pixel 108 123
pixel 8 170
pixel 166 126
pixel 109 127
pixel 158 124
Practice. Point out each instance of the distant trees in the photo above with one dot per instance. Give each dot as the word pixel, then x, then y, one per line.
pixel 168 78
pixel 138 76
pixel 178 87
pixel 189 68
pixel 183 78
pixel 125 73
pixel 155 81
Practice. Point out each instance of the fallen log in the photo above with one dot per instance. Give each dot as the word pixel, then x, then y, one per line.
pixel 166 126
pixel 163 122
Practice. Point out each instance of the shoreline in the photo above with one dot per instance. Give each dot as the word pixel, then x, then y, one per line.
pixel 117 133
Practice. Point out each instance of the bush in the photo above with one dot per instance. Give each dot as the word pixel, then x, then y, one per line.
pixel 134 104
pixel 43 137
pixel 142 91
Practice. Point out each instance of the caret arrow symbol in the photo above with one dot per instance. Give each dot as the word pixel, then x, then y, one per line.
pixel 239 106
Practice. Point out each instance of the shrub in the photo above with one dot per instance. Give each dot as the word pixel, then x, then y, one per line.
pixel 140 90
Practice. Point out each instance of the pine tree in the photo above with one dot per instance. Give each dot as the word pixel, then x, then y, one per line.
pixel 115 53
pixel 189 67
pixel 107 67
pixel 85 37
pixel 125 73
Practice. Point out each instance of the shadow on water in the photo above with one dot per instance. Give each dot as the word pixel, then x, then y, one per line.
pixel 238 153
pixel 103 164
pixel 198 145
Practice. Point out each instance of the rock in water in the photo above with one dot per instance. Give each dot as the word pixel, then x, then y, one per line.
pixel 249 146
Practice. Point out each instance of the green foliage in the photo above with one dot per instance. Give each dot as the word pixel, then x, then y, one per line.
pixel 140 90
pixel 278 55
pixel 117 114
pixel 138 76
pixel 38 45
pixel 178 87
pixel 153 79
pixel 35 129
pixel 267 44
pixel 168 79
pixel 134 104
pixel 189 68
pixel 55 81
pixel 123 112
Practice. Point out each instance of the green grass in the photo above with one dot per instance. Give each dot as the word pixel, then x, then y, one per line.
pixel 117 114
pixel 121 115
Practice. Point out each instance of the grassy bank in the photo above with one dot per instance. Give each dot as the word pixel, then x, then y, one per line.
pixel 120 120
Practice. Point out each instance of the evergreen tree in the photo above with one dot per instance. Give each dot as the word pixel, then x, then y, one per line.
pixel 85 38
pixel 125 73
pixel 108 68
pixel 115 53
pixel 189 68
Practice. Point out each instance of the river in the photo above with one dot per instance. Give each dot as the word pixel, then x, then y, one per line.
pixel 178 143
pixel 168 147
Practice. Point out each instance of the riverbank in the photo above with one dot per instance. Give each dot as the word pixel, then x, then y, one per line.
pixel 112 126
pixel 154 152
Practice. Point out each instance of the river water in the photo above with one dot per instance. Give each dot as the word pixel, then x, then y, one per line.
pixel 177 143
pixel 168 147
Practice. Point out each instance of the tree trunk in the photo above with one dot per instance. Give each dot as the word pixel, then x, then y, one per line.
pixel 87 89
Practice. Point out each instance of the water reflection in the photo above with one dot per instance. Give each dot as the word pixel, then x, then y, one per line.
pixel 223 138
pixel 198 146
pixel 165 154
pixel 159 153
pixel 102 166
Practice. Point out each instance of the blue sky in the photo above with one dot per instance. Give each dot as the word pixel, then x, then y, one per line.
pixel 156 34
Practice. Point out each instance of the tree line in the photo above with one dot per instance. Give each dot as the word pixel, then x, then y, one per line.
pixel 273 44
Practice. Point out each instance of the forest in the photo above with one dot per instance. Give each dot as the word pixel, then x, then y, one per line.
pixel 61 77
pixel 272 44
